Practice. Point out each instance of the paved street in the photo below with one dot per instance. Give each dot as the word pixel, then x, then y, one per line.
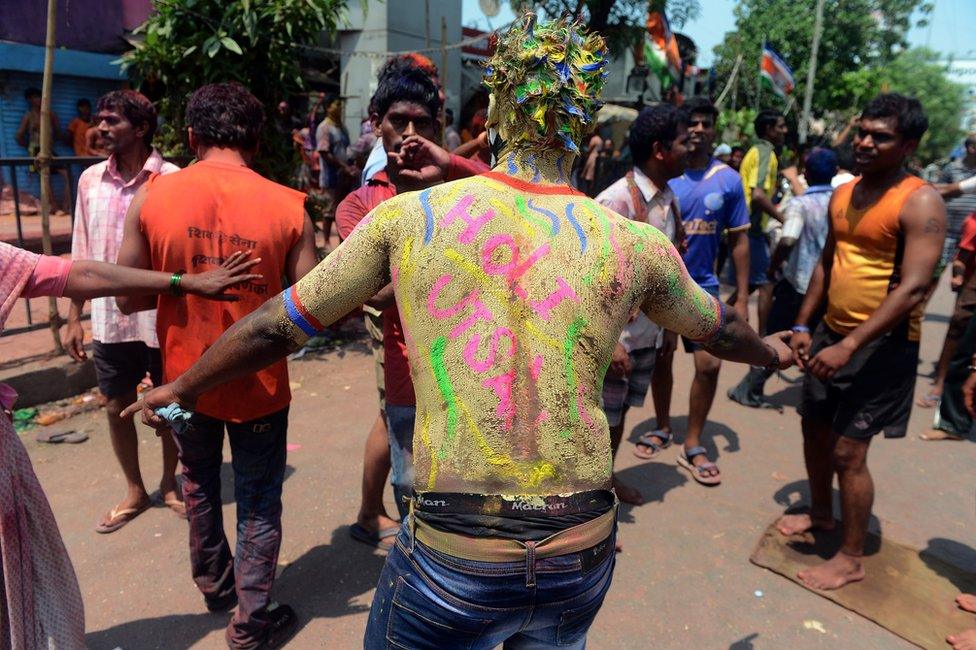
pixel 683 581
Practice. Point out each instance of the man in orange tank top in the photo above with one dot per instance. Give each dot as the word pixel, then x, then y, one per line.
pixel 885 238
pixel 193 220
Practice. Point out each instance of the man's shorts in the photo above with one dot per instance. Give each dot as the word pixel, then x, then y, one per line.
pixel 786 306
pixel 871 394
pixel 950 246
pixel 630 390
pixel 758 263
pixel 120 367
pixel 691 346
pixel 374 325
pixel 758 260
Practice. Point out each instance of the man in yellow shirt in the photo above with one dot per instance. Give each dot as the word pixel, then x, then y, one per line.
pixel 758 170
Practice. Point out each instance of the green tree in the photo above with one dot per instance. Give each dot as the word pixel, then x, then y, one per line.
pixel 189 43
pixel 856 34
pixel 622 22
pixel 918 73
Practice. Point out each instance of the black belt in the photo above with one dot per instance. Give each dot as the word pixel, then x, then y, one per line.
pixel 513 506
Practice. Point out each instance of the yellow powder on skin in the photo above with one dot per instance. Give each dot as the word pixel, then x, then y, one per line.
pixel 514 298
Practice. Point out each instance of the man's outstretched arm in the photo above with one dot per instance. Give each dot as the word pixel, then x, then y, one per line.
pixel 341 282
pixel 678 304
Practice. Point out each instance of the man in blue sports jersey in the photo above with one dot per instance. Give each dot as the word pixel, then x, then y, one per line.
pixel 711 200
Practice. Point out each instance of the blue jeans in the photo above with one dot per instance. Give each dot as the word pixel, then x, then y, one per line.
pixel 399 424
pixel 258 458
pixel 426 599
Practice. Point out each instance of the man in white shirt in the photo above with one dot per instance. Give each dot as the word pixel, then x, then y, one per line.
pixel 658 147
pixel 125 348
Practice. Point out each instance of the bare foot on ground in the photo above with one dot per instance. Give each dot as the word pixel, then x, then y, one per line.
pixel 376 523
pixel 834 573
pixel 967 602
pixel 626 493
pixel 802 522
pixel 963 641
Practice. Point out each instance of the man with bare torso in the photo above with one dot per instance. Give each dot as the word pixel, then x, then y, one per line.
pixel 512 289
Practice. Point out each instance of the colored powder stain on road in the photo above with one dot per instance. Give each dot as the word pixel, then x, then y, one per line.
pixel 512 167
pixel 437 349
pixel 531 218
pixel 569 344
pixel 428 215
pixel 576 225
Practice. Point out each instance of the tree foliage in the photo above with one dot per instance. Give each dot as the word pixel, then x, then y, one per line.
pixel 189 43
pixel 918 73
pixel 857 34
pixel 621 22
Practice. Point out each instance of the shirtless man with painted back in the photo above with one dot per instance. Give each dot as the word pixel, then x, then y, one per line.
pixel 512 289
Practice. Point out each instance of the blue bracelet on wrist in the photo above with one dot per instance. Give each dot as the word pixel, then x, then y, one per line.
pixel 800 329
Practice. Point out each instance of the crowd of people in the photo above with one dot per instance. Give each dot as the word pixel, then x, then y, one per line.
pixel 514 321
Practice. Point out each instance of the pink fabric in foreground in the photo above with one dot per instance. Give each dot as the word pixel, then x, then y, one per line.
pixel 16 267
pixel 42 606
pixel 49 277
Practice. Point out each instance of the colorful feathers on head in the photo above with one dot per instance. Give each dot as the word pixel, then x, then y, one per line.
pixel 546 80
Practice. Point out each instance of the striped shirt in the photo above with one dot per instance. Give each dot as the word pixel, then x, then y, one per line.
pixel 959 208
pixel 103 199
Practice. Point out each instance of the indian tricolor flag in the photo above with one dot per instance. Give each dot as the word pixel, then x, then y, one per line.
pixel 661 49
pixel 774 69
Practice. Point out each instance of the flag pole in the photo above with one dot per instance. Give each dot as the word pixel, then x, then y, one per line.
pixel 811 74
pixel 759 78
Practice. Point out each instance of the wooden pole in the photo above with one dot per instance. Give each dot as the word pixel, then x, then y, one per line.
pixel 43 160
pixel 729 84
pixel 759 80
pixel 811 74
pixel 443 71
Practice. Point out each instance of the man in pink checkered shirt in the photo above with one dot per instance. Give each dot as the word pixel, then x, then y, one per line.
pixel 124 347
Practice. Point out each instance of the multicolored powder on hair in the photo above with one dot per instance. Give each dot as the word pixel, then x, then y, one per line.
pixel 545 80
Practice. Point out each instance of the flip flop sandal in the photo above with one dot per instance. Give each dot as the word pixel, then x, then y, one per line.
pixel 383 539
pixel 119 518
pixel 57 437
pixel 646 440
pixel 939 434
pixel 685 459
pixel 177 506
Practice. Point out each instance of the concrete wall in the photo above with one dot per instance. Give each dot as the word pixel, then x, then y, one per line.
pixel 395 26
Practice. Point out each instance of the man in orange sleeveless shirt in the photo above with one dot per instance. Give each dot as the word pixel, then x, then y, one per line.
pixel 193 220
pixel 885 238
